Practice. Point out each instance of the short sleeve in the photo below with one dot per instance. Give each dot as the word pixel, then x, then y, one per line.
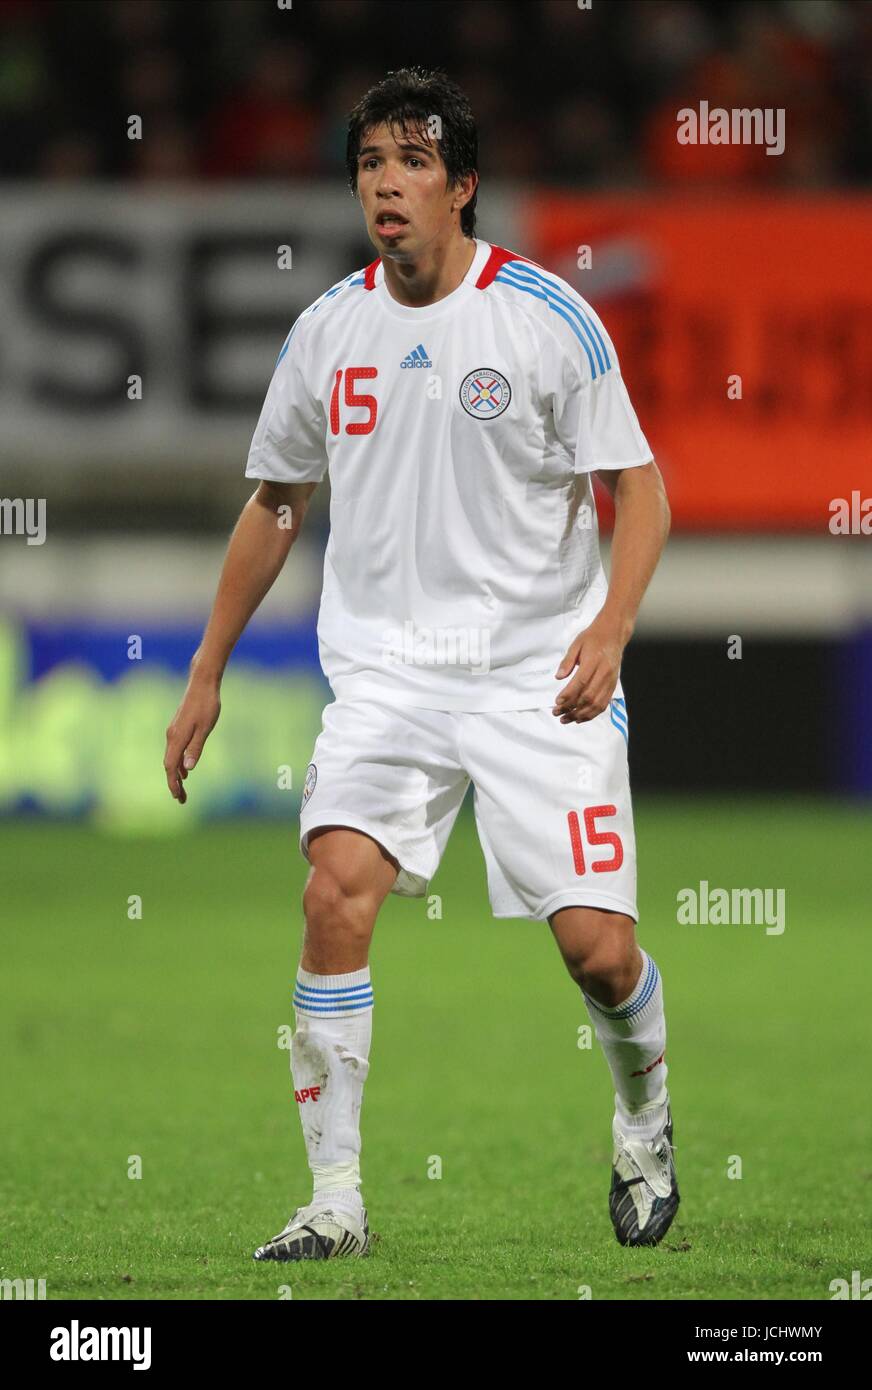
pixel 593 413
pixel 289 443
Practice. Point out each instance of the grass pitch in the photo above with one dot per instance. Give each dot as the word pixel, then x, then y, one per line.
pixel 158 1037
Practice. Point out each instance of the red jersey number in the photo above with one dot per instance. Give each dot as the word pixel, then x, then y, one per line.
pixel 353 374
pixel 594 837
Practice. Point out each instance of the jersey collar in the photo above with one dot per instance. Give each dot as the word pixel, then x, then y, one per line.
pixel 375 280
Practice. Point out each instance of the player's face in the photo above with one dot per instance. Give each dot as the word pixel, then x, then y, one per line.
pixel 401 183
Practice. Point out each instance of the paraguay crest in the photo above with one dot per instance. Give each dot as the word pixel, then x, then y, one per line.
pixel 485 393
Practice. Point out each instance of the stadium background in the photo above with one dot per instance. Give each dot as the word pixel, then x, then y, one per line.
pixel 178 261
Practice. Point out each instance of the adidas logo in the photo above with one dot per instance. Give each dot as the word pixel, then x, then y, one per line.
pixel 417 358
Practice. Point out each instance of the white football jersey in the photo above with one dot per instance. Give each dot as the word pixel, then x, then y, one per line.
pixel 459 438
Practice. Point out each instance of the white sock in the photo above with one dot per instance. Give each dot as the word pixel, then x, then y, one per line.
pixel 329 1064
pixel 633 1038
pixel 348 1198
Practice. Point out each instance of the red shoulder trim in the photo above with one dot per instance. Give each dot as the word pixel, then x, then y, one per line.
pixel 369 274
pixel 497 258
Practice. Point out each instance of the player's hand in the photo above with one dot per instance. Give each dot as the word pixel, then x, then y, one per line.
pixel 596 653
pixel 192 724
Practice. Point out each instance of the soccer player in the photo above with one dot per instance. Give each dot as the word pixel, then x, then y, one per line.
pixel 461 397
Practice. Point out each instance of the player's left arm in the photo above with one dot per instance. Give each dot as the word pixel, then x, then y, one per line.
pixel 642 519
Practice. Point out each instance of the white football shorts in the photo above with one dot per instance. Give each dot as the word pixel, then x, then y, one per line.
pixel 552 801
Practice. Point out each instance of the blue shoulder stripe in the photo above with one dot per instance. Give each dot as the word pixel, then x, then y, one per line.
pixel 500 278
pixel 534 282
pixel 531 272
pixel 355 278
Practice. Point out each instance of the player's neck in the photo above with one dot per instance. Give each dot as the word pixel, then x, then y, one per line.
pixel 436 274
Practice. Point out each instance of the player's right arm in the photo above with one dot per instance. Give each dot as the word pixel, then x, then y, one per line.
pixel 288 457
pixel 267 528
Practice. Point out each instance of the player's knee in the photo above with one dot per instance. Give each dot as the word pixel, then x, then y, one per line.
pixel 610 973
pixel 329 907
pixel 605 963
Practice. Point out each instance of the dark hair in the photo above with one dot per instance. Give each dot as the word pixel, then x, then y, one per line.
pixel 407 99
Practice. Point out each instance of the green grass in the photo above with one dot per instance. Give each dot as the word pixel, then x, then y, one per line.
pixel 158 1038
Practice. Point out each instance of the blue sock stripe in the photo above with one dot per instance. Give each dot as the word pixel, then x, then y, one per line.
pixel 344 1001
pixel 629 1010
pixel 307 1007
pixel 332 999
pixel 354 996
pixel 334 989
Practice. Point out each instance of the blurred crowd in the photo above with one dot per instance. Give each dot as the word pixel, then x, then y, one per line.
pixel 255 89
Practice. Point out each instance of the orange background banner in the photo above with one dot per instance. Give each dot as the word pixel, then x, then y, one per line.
pixel 776 290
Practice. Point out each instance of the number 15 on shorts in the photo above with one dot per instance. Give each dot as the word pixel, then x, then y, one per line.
pixel 594 837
